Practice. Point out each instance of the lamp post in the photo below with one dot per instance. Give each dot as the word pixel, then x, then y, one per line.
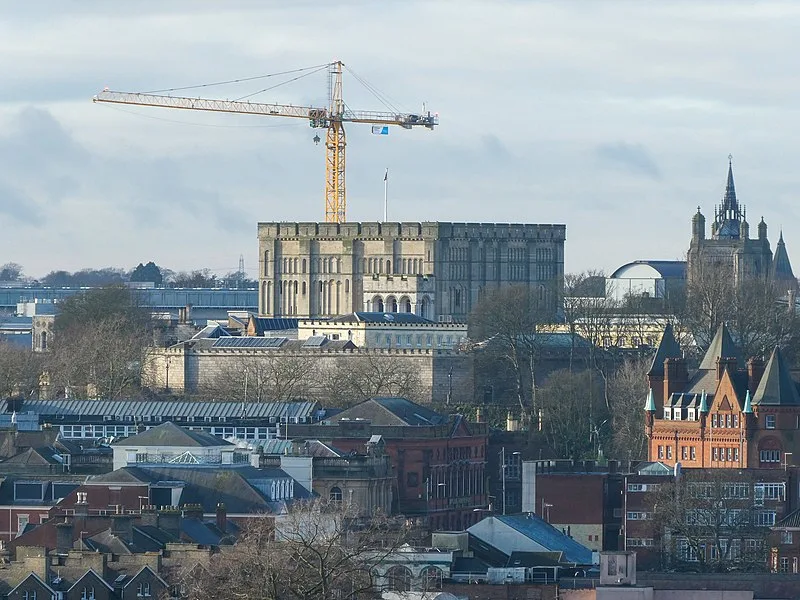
pixel 547 506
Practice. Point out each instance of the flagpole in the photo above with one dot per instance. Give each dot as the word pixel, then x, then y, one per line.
pixel 386 196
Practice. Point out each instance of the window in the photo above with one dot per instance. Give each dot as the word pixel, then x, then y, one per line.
pixel 638 515
pixel 765 518
pixel 667 413
pixel 661 452
pixel 736 420
pixel 784 567
pixel 686 551
pixel 640 542
pixel 29 595
pixel 714 454
pixel 431 578
pixel 693 453
pixel 769 456
pixel 143 590
pixel 786 537
pixel 22 522
pixel 684 452
pixel 87 593
pixel 714 421
pixel 669 452
pixel 399 578
pixel 770 491
pixel 335 495
pixel 769 421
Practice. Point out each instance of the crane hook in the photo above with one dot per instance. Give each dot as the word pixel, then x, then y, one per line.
pixel 316 140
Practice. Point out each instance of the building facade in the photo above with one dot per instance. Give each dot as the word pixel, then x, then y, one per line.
pixel 434 270
pixel 727 414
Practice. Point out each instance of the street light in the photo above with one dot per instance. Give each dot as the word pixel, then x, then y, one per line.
pixel 503 467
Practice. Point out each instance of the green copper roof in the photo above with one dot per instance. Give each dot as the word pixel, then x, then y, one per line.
pixel 650 405
pixel 703 403
pixel 748 406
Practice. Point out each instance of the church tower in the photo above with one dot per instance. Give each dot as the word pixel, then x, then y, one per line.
pixel 730 247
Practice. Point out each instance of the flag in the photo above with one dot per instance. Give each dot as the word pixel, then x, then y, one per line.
pixel 386 175
pixel 380 130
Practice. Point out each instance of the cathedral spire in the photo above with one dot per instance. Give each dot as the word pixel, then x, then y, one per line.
pixel 728 216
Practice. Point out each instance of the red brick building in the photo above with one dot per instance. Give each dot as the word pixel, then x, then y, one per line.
pixel 439 461
pixel 727 414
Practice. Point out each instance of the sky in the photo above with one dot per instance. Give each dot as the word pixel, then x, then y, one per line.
pixel 615 118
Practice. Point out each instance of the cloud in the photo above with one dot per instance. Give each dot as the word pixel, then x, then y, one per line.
pixel 17 205
pixel 633 158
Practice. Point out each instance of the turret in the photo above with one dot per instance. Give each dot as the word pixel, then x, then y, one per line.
pixel 744 229
pixel 703 409
pixel 650 411
pixel 762 230
pixel 698 226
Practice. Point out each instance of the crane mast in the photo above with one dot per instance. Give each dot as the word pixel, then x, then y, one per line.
pixel 331 118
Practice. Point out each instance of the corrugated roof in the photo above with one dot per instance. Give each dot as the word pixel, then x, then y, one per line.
pixel 168 408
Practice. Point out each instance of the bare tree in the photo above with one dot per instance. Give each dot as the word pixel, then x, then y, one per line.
pixel 708 519
pixel 573 429
pixel 504 326
pixel 273 377
pixel 320 550
pixel 366 375
pixel 627 392
pixel 20 370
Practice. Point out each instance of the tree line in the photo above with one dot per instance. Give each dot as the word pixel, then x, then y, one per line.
pixel 148 272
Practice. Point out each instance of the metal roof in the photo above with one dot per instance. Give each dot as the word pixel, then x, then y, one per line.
pixel 249 342
pixel 668 269
pixel 169 408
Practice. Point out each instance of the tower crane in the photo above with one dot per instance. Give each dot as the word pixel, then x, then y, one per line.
pixel 333 117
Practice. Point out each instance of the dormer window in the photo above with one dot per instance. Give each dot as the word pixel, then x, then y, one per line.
pixel 667 413
pixel 691 415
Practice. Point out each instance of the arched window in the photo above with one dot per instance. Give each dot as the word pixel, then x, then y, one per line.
pixel 405 305
pixel 44 341
pixel 431 578
pixel 377 304
pixel 296 261
pixel 391 305
pixel 335 495
pixel 346 286
pixel 388 267
pixel 304 288
pixel 399 578
pixel 266 262
pixel 304 265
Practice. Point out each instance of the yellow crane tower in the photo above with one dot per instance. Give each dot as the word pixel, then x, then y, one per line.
pixel 331 118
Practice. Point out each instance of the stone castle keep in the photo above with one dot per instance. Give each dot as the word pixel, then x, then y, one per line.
pixel 435 270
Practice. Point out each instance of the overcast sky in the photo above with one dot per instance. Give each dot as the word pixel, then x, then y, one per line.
pixel 615 118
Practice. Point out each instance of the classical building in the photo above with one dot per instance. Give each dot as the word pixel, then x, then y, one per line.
pixel 726 414
pixel 731 248
pixel 435 270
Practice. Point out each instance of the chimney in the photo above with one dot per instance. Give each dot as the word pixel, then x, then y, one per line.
pixel 149 515
pixel 82 505
pixel 676 377
pixel 64 536
pixel 222 518
pixel 169 520
pixel 193 511
pixel 122 527
pixel 725 364
pixel 755 370
pixel 479 415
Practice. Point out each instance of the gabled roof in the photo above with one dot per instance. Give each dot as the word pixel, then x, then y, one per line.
pixel 776 388
pixel 153 573
pixel 37 578
pixel 721 346
pixel 668 347
pixel 790 521
pixel 88 573
pixel 169 434
pixel 393 411
pixel 35 457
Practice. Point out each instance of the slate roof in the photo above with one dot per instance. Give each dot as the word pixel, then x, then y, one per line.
pixel 721 346
pixel 393 411
pixel 781 267
pixel 776 388
pixel 263 324
pixel 169 434
pixel 548 536
pixel 668 347
pixel 380 318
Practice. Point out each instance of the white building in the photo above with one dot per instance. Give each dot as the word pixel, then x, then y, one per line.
pixel 646 278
